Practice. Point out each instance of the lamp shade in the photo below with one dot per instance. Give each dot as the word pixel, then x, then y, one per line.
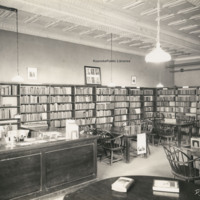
pixel 157 55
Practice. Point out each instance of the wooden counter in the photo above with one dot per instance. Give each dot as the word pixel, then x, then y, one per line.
pixel 34 170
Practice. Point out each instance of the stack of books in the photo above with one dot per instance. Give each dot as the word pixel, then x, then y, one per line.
pixel 122 184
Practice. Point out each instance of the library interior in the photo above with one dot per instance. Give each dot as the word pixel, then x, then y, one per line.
pixel 99 99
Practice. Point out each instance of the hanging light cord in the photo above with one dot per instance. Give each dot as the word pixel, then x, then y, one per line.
pixel 111 55
pixel 17 39
pixel 158 22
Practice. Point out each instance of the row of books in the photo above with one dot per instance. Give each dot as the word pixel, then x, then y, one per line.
pixel 87 121
pixel 186 110
pixel 7 113
pixel 168 115
pixel 33 99
pixel 36 90
pixel 84 90
pixel 103 113
pixel 105 91
pixel 119 124
pixel 80 106
pixel 33 117
pixel 186 98
pixel 104 106
pixel 148 98
pixel 187 92
pixel 58 123
pixel 33 108
pixel 87 98
pixel 60 115
pixel 168 98
pixel 120 111
pixel 59 107
pixel 134 98
pixel 166 109
pixel 135 104
pixel 61 90
pixel 166 103
pixel 63 99
pixel 134 117
pixel 121 98
pixel 8 89
pixel 84 113
pixel 104 126
pixel 105 98
pixel 104 120
pixel 186 104
pixel 148 109
pixel 135 92
pixel 149 103
pixel 148 115
pixel 166 92
pixel 148 92
pixel 121 104
pixel 120 118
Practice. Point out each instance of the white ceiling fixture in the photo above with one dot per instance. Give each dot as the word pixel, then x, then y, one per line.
pixel 158 55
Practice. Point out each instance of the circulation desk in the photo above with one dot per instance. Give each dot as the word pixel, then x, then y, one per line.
pixel 40 168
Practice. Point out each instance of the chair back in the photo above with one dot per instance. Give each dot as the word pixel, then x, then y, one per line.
pixel 182 165
pixel 113 143
pixel 147 126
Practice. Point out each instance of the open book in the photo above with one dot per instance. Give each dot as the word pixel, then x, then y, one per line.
pixel 166 185
pixel 122 184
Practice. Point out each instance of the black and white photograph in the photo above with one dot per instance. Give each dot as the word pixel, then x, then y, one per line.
pixel 96 91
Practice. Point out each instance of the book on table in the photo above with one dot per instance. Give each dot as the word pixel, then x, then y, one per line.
pixel 122 184
pixel 166 185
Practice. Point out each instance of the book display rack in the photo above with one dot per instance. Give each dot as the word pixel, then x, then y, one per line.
pixel 9 106
pixel 149 103
pixel 94 106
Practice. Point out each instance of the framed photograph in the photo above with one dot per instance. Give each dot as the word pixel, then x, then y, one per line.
pixel 133 80
pixel 32 73
pixel 92 75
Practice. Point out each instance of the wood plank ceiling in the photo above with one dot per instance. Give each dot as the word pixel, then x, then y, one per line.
pixel 91 22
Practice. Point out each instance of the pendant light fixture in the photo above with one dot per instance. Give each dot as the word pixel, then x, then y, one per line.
pixel 158 55
pixel 17 78
pixel 111 60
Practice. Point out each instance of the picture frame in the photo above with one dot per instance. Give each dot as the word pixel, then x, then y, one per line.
pixel 133 80
pixel 32 73
pixel 92 75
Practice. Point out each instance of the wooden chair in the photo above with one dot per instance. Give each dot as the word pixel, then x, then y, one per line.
pixel 182 166
pixel 115 147
pixel 102 135
pixel 147 127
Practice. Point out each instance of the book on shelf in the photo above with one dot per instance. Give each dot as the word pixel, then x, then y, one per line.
pixel 122 184
pixel 166 186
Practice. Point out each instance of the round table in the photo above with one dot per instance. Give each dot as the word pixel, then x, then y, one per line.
pixel 140 190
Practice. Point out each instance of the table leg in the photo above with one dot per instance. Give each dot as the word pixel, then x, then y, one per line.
pixel 190 134
pixel 179 136
pixel 127 149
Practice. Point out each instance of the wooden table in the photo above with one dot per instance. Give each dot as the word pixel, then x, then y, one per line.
pixel 141 190
pixel 179 126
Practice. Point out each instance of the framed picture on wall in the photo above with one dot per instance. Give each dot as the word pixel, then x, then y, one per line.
pixel 92 75
pixel 133 80
pixel 32 73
